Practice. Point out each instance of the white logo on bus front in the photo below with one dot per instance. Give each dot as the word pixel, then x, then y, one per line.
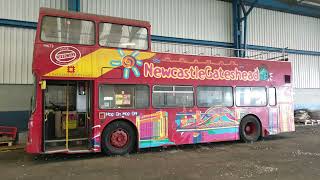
pixel 65 55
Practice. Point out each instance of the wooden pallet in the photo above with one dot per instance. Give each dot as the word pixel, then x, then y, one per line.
pixel 6 139
pixel 8 143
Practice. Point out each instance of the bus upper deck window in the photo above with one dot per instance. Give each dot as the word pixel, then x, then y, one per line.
pixel 66 30
pixel 123 36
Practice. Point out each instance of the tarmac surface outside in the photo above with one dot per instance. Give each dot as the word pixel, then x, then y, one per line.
pixel 289 156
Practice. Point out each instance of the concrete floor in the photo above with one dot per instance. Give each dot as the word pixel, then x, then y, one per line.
pixel 286 156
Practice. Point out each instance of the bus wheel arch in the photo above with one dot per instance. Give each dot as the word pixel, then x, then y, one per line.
pixel 119 137
pixel 250 128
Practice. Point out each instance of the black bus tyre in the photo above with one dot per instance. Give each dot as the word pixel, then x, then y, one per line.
pixel 250 129
pixel 118 138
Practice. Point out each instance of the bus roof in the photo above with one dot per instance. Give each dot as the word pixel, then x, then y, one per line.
pixel 92 17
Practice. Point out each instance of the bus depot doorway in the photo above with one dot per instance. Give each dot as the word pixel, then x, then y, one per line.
pixel 67 112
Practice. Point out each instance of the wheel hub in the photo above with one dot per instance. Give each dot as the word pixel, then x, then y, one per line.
pixel 119 138
pixel 250 129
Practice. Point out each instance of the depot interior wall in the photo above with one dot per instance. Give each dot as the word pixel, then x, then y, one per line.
pixel 306 71
pixel 193 19
pixel 283 30
pixel 306 82
pixel 15 97
pixel 16 49
pixel 28 10
pixel 15 105
pixel 200 50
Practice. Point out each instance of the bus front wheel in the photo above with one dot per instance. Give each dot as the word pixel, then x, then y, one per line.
pixel 118 138
pixel 250 129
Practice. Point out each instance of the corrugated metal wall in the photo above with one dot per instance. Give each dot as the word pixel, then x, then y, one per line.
pixel 306 71
pixel 205 19
pixel 190 49
pixel 283 30
pixel 16 47
pixel 27 10
pixel 16 50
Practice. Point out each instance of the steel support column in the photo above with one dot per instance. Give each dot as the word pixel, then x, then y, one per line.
pixel 236 15
pixel 74 5
pixel 240 14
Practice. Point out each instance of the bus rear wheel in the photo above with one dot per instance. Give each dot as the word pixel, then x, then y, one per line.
pixel 250 129
pixel 118 138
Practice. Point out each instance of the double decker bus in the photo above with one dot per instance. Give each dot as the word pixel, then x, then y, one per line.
pixel 99 88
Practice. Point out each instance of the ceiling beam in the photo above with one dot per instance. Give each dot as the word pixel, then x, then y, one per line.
pixel 288 6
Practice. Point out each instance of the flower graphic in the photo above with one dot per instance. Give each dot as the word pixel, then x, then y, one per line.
pixel 128 62
pixel 264 73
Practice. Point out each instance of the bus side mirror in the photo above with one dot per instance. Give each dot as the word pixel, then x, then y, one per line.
pixel 43 84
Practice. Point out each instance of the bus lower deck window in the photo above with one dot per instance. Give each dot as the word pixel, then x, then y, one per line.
pixel 172 96
pixel 251 96
pixel 208 96
pixel 123 96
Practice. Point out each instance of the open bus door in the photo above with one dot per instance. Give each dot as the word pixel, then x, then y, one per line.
pixel 67 116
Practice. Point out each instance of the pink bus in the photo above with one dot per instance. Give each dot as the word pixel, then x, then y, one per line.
pixel 99 88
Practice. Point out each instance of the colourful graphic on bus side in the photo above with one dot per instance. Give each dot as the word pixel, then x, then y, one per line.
pixel 128 62
pixel 215 123
pixel 197 73
pixel 91 64
pixel 264 73
pixel 207 73
pixel 153 129
pixel 213 118
pixel 65 55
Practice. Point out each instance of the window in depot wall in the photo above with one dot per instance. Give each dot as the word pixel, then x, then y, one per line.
pixel 66 30
pixel 208 96
pixel 251 96
pixel 172 96
pixel 123 96
pixel 123 36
